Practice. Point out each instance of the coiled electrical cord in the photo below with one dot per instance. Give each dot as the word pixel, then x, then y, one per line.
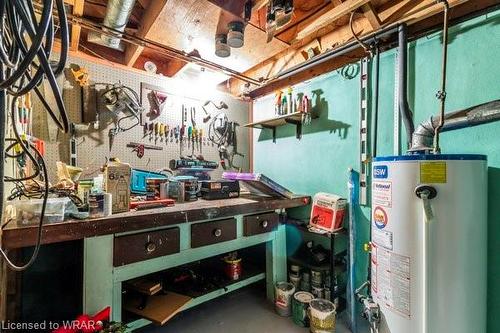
pixel 26 42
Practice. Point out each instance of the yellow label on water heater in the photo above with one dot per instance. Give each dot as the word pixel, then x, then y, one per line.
pixel 433 172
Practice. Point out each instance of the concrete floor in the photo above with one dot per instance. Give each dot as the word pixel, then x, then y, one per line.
pixel 243 311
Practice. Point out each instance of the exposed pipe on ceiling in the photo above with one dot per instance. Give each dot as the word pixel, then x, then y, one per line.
pixel 336 52
pixel 117 15
pixel 160 48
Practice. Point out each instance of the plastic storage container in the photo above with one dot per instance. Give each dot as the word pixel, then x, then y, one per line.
pixel 28 211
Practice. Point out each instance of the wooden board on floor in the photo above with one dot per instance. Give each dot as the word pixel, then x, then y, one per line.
pixel 160 308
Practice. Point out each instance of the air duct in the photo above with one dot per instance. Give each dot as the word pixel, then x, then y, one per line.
pixel 423 137
pixel 117 15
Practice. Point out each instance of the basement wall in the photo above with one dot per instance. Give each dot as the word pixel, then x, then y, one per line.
pixel 320 161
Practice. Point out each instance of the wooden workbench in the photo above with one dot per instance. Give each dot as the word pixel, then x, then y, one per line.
pixel 15 236
pixel 112 256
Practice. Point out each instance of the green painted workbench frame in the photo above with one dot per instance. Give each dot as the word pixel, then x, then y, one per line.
pixel 102 284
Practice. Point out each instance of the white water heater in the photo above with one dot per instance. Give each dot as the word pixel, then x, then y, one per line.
pixel 429 243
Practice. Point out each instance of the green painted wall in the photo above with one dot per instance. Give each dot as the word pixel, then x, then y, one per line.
pixel 319 162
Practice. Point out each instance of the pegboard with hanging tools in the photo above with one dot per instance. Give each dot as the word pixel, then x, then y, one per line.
pixel 145 121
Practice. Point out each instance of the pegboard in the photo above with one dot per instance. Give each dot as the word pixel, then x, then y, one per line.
pixel 93 144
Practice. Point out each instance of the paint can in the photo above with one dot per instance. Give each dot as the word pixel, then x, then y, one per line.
pixel 295 269
pixel 316 278
pixel 283 298
pixel 328 294
pixel 295 280
pixel 306 276
pixel 318 292
pixel 233 268
pixel 304 286
pixel 322 316
pixel 300 304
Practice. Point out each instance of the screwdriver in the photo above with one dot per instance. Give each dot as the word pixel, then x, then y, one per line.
pixel 167 129
pixel 195 136
pixel 157 131
pixel 190 135
pixel 177 133
pixel 151 129
pixel 162 132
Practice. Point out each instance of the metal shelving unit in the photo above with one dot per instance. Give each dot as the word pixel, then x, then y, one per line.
pixel 333 256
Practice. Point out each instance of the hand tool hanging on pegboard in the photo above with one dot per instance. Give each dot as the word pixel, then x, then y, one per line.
pixel 159 100
pixel 120 99
pixel 140 148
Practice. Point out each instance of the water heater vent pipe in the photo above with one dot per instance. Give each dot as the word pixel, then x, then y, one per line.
pixel 422 140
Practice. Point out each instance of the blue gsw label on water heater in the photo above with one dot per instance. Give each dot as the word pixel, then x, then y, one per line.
pixel 380 171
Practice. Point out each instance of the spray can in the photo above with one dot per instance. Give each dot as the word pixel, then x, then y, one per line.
pixel 284 105
pixel 277 103
pixel 290 100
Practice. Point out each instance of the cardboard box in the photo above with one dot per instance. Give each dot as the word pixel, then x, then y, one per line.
pixel 117 183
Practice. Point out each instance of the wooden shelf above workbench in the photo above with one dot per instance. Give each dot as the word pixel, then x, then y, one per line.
pixel 296 118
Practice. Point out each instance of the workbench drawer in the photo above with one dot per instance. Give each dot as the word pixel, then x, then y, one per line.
pixel 147 245
pixel 259 224
pixel 213 232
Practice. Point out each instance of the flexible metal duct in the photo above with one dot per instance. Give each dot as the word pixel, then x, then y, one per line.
pixel 423 137
pixel 117 15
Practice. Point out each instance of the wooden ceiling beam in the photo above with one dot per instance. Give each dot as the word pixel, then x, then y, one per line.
pixel 371 14
pixel 258 4
pixel 144 3
pixel 235 7
pixel 174 66
pixel 406 11
pixel 327 17
pixel 153 11
pixel 290 32
pixel 76 30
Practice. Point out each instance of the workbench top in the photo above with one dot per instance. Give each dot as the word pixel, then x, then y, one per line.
pixel 15 236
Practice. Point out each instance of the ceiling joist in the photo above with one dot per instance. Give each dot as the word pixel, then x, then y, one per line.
pixel 153 10
pixel 292 56
pixel 316 26
pixel 371 14
pixel 77 10
pixel 327 17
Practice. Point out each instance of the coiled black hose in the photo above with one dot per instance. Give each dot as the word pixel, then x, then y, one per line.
pixel 26 42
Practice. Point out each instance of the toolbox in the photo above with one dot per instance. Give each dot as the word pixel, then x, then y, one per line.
pixel 138 180
pixel 220 189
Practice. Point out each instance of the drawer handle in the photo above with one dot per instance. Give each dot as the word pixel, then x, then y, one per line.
pixel 217 233
pixel 150 247
pixel 264 224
